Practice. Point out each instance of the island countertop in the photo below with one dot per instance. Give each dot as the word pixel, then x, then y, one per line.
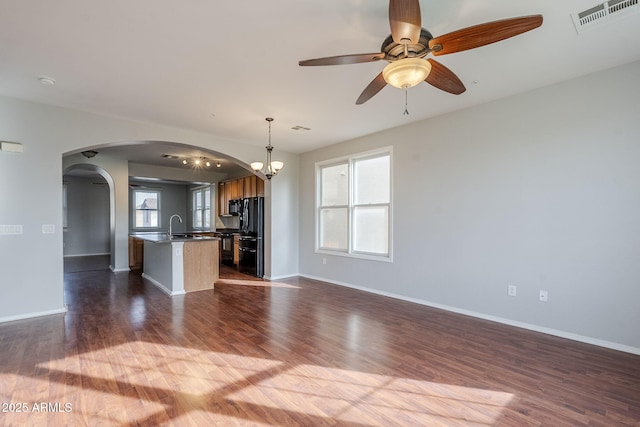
pixel 179 263
pixel 176 237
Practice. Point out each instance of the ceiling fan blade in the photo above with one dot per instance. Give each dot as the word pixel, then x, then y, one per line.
pixel 405 21
pixel 343 59
pixel 483 34
pixel 374 87
pixel 444 79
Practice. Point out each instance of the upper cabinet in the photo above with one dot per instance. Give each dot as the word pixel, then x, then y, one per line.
pixel 239 188
pixel 249 183
pixel 253 186
pixel 236 189
pixel 223 201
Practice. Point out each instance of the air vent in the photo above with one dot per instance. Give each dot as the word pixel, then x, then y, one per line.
pixel 604 13
pixel 298 127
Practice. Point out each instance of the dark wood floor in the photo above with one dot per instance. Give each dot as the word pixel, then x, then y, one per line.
pixel 75 264
pixel 296 352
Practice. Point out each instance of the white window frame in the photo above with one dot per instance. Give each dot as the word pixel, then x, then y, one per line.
pixel 134 210
pixel 350 160
pixel 202 190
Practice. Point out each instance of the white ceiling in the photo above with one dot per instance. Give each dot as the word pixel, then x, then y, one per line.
pixel 176 63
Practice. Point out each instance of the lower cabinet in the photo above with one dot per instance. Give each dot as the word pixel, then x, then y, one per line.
pixel 236 250
pixel 136 253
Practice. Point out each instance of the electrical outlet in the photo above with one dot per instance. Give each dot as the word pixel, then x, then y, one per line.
pixel 511 290
pixel 544 296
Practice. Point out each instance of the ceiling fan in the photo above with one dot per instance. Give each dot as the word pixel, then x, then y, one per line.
pixel 408 45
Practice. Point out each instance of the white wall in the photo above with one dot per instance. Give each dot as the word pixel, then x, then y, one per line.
pixel 31 195
pixel 540 190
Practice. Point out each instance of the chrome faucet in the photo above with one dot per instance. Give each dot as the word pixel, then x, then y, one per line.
pixel 170 233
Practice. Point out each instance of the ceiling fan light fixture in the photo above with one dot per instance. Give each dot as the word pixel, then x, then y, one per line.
pixel 406 72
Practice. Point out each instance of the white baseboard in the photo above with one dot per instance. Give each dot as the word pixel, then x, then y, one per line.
pixel 118 270
pixel 523 325
pixel 62 310
pixel 286 276
pixel 81 255
pixel 162 287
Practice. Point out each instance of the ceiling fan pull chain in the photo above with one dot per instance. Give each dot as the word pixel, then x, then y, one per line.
pixel 406 108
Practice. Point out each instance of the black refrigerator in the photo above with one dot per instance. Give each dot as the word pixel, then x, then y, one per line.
pixel 251 241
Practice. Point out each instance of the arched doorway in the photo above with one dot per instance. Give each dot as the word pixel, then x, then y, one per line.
pixel 149 163
pixel 88 218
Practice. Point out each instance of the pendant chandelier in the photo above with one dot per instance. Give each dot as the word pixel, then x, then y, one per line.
pixel 271 168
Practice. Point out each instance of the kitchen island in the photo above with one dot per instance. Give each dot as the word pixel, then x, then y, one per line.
pixel 180 263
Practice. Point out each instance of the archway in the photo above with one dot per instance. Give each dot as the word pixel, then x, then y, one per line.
pixel 116 161
pixel 90 171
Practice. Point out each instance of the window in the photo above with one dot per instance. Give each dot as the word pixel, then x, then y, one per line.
pixel 354 205
pixel 201 208
pixel 147 204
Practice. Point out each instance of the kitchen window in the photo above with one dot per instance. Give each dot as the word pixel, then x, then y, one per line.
pixel 201 208
pixel 147 209
pixel 353 215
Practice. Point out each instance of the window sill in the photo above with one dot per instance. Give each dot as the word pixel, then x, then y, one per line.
pixel 380 258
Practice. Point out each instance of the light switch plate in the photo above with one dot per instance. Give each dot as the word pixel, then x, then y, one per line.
pixel 7 230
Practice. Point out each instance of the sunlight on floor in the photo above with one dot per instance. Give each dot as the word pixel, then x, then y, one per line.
pixel 362 397
pixel 177 385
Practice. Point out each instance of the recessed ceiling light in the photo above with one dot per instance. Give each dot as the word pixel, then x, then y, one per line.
pixel 48 81
pixel 170 156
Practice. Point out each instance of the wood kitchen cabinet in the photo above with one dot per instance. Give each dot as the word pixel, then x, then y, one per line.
pixel 253 186
pixel 240 184
pixel 249 183
pixel 259 187
pixel 236 250
pixel 233 189
pixel 239 188
pixel 223 200
pixel 136 253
